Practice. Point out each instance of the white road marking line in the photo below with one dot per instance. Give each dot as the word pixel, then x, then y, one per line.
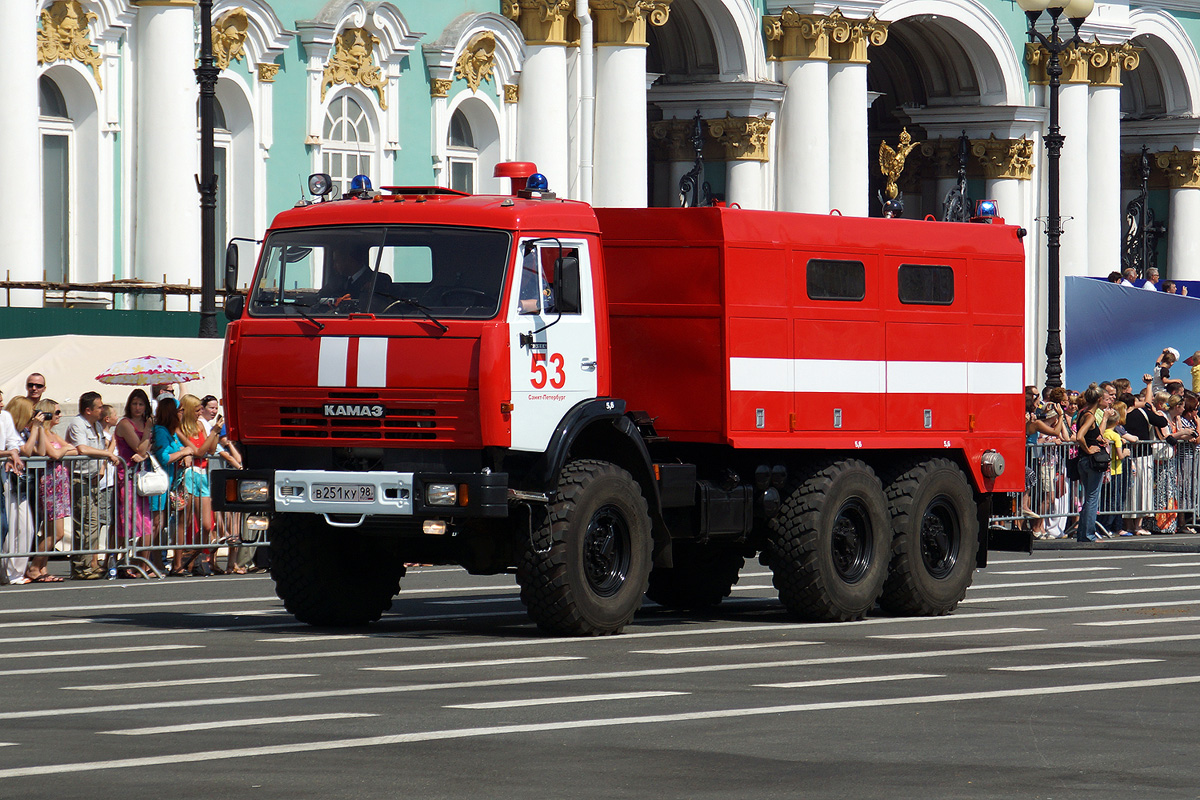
pixel 232 723
pixel 496 662
pixel 74 585
pixel 221 681
pixel 98 651
pixel 367 691
pixel 1180 564
pixel 1051 570
pixel 1011 598
pixel 781 627
pixel 1076 557
pixel 1123 579
pixel 8 744
pixel 157 632
pixel 742 587
pixel 606 722
pixel 1144 589
pixel 141 606
pixel 553 701
pixel 44 623
pixel 669 651
pixel 941 634
pixel 476 601
pixel 814 626
pixel 1075 665
pixel 1146 621
pixel 842 681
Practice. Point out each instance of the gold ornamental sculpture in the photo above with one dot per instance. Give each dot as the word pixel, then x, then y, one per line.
pixel 229 37
pixel 64 36
pixel 353 62
pixel 477 60
pixel 891 162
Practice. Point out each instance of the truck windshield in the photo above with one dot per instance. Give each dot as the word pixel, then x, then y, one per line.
pixel 395 271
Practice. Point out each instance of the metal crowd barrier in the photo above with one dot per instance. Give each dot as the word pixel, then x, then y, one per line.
pixel 1158 489
pixel 88 510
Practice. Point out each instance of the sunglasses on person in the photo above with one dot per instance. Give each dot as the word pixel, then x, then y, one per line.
pixel 35 386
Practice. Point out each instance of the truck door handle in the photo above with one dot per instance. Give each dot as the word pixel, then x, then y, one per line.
pixel 587 365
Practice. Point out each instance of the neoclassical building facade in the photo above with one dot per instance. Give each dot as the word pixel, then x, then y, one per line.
pixel 795 99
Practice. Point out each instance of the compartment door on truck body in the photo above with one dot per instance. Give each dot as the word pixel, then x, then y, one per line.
pixel 928 340
pixel 553 345
pixel 838 341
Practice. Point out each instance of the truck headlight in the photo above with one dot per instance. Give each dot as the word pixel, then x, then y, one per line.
pixel 254 491
pixel 441 494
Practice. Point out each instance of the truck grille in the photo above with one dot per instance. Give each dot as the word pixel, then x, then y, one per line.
pixel 444 417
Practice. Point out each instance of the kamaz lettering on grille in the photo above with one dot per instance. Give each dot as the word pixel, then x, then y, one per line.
pixel 341 410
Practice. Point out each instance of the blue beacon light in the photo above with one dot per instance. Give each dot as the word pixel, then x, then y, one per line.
pixel 359 185
pixel 986 208
pixel 537 182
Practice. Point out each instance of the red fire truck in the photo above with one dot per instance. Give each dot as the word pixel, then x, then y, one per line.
pixel 614 403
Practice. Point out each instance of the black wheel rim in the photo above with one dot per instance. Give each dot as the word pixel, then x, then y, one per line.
pixel 939 538
pixel 606 551
pixel 851 541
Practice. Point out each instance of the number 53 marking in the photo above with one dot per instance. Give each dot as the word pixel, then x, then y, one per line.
pixel 541 375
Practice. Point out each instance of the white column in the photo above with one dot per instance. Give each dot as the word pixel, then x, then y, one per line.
pixel 849 171
pixel 1007 194
pixel 744 184
pixel 1104 180
pixel 542 118
pixel 1183 243
pixel 168 206
pixel 803 149
pixel 621 161
pixel 1073 179
pixel 20 225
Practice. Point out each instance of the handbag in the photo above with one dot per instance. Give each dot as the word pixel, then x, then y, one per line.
pixel 1101 460
pixel 154 481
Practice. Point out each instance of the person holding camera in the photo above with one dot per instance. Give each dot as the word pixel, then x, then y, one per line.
pixel 86 435
pixel 1094 459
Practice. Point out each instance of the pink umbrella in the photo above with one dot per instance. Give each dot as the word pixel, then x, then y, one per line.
pixel 148 371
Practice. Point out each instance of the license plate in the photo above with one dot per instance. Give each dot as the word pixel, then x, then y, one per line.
pixel 344 493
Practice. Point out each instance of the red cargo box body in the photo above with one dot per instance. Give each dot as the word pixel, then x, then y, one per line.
pixel 714 333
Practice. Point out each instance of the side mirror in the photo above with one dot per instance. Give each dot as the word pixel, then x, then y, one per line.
pixel 566 285
pixel 231 267
pixel 235 304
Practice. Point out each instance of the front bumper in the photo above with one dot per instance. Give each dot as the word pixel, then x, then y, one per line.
pixel 389 494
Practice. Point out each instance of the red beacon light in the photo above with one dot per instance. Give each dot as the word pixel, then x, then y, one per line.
pixel 517 171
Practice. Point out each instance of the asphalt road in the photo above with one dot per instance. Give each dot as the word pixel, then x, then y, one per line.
pixel 1068 674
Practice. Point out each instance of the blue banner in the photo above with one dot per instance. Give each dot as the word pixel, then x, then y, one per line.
pixel 1114 331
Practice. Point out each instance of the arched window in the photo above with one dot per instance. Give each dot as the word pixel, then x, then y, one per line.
pixel 463 157
pixel 346 145
pixel 57 132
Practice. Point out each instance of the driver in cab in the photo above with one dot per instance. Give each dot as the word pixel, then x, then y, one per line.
pixel 350 282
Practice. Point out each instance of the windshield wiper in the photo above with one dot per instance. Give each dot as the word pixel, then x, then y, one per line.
pixel 411 303
pixel 300 310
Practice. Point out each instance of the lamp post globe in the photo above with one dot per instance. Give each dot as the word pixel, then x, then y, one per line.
pixel 1037 6
pixel 1079 9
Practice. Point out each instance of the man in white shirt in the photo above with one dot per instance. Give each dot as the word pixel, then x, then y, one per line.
pixel 13 568
pixel 1128 277
pixel 87 435
pixel 1151 280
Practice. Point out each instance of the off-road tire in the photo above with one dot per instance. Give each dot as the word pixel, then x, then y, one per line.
pixel 586 567
pixel 329 580
pixel 828 546
pixel 936 538
pixel 702 576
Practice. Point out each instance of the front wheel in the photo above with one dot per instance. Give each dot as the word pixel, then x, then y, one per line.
pixel 305 558
pixel 586 566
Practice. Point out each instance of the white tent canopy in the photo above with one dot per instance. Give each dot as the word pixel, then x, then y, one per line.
pixel 71 364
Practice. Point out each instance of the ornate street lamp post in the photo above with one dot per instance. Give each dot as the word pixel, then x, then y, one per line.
pixel 1076 11
pixel 206 181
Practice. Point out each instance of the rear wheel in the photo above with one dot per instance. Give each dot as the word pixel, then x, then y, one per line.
pixel 936 539
pixel 702 577
pixel 586 567
pixel 828 545
pixel 305 558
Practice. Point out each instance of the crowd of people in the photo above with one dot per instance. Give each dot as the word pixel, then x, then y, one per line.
pixel 1130 454
pixel 85 469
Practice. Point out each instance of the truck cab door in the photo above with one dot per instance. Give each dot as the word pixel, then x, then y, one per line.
pixel 553 347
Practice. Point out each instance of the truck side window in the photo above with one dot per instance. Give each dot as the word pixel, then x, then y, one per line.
pixel 926 284
pixel 830 279
pixel 539 268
